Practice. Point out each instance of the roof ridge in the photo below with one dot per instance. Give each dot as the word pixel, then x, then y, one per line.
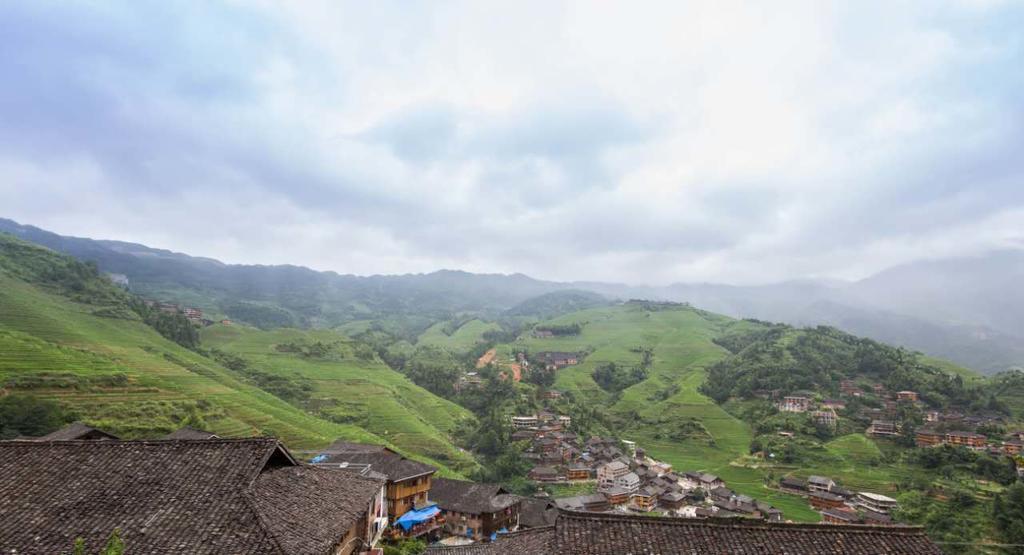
pixel 474 547
pixel 110 442
pixel 744 523
pixel 250 502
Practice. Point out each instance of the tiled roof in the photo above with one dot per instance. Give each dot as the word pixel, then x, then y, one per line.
pixel 535 512
pixel 77 430
pixel 198 497
pixel 387 462
pixel 308 509
pixel 188 432
pixel 535 541
pixel 470 497
pixel 603 534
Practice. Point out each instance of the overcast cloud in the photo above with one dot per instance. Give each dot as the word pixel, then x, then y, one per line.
pixel 638 142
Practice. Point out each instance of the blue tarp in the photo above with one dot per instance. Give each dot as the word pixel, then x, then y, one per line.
pixel 319 458
pixel 417 516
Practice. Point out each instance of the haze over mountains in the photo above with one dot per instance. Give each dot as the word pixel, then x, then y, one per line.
pixel 968 310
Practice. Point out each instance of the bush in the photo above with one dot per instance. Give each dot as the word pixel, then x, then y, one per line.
pixel 29 416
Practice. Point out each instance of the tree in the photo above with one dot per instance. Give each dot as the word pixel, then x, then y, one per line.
pixel 29 416
pixel 1008 513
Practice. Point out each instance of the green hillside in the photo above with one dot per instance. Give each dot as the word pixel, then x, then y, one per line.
pixel 457 337
pixel 67 334
pixel 350 385
pixel 665 413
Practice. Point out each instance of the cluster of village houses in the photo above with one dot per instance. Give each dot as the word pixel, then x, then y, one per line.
pixel 193 492
pixel 948 427
pixel 839 505
pixel 194 315
pixel 627 480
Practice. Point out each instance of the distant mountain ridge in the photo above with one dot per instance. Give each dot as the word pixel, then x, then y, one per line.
pixel 968 310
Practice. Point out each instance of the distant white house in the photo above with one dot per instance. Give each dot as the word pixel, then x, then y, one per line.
pixel 875 502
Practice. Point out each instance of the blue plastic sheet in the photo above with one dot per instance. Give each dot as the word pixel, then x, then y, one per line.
pixel 417 516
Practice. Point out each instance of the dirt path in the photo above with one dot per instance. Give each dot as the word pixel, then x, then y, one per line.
pixel 487 359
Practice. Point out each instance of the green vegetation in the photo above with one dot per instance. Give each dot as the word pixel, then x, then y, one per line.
pixel 114 546
pixel 84 348
pixel 570 329
pixel 22 415
pixel 664 413
pixel 1008 513
pixel 615 379
pixel 332 377
pixel 456 336
pixel 778 357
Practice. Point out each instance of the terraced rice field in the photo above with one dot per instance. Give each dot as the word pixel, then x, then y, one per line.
pixel 59 349
pixel 364 392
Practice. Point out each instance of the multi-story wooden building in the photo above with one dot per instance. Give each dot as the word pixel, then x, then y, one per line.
pixel 824 500
pixel 967 439
pixel 928 438
pixel 408 481
pixel 476 511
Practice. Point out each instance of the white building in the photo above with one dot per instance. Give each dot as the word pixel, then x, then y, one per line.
pixel 608 474
pixel 524 422
pixel 874 502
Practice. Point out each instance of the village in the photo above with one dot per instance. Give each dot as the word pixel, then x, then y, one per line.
pixel 939 427
pixel 353 498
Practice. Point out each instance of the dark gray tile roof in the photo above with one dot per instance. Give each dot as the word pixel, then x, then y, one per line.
pixel 470 497
pixel 77 430
pixel 308 509
pixel 382 460
pixel 535 541
pixel 535 513
pixel 190 496
pixel 604 534
pixel 188 432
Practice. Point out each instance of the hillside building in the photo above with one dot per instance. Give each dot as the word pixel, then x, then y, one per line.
pixel 825 417
pixel 910 396
pixel 475 511
pixel 795 403
pixel 820 483
pixel 407 481
pixel 882 428
pixel 875 502
pixel 966 439
pixel 525 422
pixel 925 437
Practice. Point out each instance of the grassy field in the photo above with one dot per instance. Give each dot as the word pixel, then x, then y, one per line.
pixel 461 340
pixel 365 393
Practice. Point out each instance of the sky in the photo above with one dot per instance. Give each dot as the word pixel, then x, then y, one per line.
pixel 638 142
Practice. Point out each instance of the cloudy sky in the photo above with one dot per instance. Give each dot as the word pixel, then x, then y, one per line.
pixel 638 142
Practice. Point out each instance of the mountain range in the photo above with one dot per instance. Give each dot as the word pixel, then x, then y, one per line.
pixel 969 310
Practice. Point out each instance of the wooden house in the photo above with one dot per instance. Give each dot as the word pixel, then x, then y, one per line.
pixel 475 511
pixel 212 496
pixel 967 439
pixel 408 481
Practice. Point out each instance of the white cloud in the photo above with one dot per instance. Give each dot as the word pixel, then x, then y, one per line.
pixel 650 142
